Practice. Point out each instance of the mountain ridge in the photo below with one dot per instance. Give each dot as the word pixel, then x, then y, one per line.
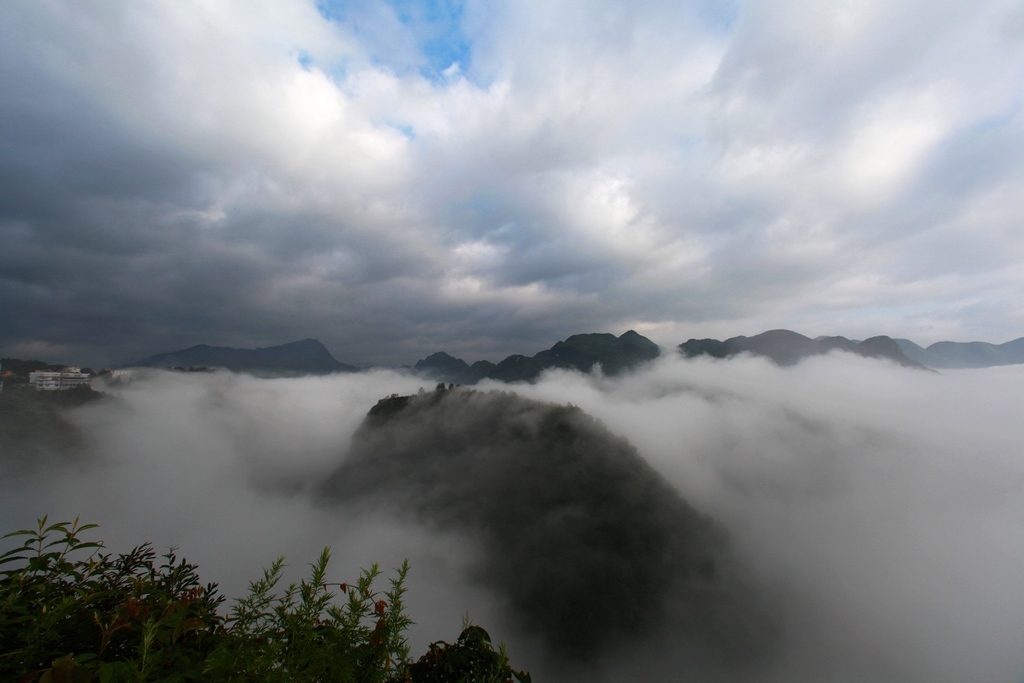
pixel 307 356
pixel 577 352
pixel 584 351
pixel 955 355
pixel 786 347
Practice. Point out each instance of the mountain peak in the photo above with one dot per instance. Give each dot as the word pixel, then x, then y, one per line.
pixel 307 356
pixel 442 361
pixel 786 347
pixel 577 352
pixel 950 354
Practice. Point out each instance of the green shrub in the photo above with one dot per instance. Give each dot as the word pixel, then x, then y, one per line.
pixel 471 659
pixel 304 635
pixel 135 618
pixel 111 618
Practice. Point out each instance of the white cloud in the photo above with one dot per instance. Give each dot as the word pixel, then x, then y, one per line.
pixel 643 160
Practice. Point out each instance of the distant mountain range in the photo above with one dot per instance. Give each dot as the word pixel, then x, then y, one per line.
pixel 583 351
pixel 947 354
pixel 786 347
pixel 297 358
pixel 579 352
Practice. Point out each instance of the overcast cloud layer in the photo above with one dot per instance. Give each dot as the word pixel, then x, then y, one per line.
pixel 879 505
pixel 395 178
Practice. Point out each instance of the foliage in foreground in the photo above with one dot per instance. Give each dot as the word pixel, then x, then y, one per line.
pixel 137 617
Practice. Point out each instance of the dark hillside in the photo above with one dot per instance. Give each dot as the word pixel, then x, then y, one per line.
pixel 580 352
pixel 33 424
pixel 786 347
pixel 441 366
pixel 949 354
pixel 22 368
pixel 302 357
pixel 615 354
pixel 588 545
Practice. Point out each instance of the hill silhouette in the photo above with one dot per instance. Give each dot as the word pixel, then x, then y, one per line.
pixel 308 356
pixel 948 354
pixel 569 518
pixel 786 347
pixel 583 352
pixel 579 352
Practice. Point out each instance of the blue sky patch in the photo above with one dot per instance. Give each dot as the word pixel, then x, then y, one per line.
pixel 404 128
pixel 433 26
pixel 720 15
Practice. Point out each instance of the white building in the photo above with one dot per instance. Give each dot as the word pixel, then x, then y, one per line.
pixel 68 378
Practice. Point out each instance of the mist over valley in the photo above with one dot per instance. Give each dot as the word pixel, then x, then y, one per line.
pixel 666 340
pixel 840 519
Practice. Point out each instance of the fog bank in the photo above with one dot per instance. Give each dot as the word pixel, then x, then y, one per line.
pixel 881 507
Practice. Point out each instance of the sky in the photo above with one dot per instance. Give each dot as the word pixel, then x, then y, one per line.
pixel 397 177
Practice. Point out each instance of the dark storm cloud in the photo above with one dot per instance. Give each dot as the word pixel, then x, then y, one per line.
pixel 171 175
